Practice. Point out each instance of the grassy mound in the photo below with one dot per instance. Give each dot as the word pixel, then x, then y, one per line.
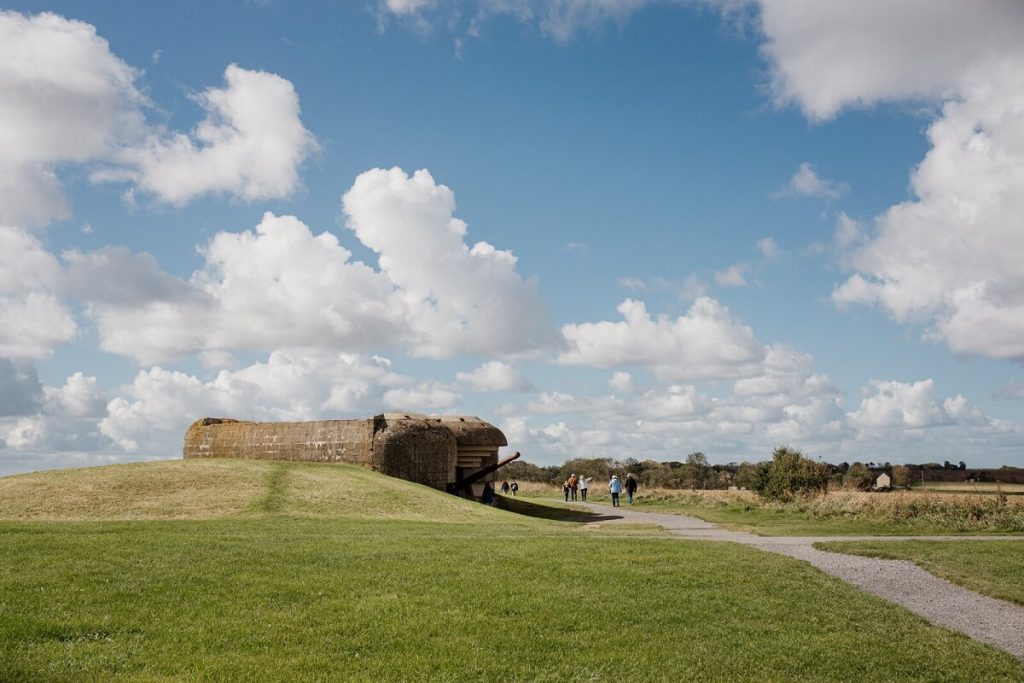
pixel 210 489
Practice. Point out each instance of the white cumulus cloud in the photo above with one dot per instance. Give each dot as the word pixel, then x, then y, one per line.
pixel 68 99
pixel 34 319
pixel 807 183
pixel 733 276
pixel 250 145
pixel 150 415
pixel 460 298
pixel 900 404
pixel 769 248
pixel 707 343
pixel 62 430
pixel 494 375
pixel 424 397
pixel 282 286
pixel 829 55
pixel 277 286
pixel 949 256
pixel 407 6
pixel 20 390
pixel 621 381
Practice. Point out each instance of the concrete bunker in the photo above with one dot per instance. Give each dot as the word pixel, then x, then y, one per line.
pixel 455 453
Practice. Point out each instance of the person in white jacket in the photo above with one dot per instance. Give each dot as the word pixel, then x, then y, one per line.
pixel 584 485
pixel 615 488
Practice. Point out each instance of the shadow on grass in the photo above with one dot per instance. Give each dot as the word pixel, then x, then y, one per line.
pixel 557 514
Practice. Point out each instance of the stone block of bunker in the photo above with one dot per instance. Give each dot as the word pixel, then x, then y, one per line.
pixel 415 448
pixel 315 441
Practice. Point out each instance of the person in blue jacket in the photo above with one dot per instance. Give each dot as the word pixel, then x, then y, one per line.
pixel 615 488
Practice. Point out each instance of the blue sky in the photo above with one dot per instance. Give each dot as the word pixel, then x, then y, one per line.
pixel 734 225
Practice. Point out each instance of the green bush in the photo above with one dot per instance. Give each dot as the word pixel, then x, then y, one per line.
pixel 790 474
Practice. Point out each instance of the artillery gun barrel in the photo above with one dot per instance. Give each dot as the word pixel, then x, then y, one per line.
pixel 467 481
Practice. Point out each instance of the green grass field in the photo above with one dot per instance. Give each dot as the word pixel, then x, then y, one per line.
pixel 283 571
pixel 995 568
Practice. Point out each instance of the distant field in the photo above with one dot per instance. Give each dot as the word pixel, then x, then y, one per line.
pixel 963 487
pixel 385 580
pixel 995 568
pixel 837 514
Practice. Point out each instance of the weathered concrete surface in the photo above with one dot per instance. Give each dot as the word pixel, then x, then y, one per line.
pixel 991 621
pixel 416 450
pixel 320 441
pixel 420 448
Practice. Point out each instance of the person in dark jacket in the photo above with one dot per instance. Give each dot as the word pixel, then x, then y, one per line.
pixel 631 486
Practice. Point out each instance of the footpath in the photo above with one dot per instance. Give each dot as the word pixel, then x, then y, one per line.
pixel 989 620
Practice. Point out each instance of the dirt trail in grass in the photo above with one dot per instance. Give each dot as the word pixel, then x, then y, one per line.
pixel 992 621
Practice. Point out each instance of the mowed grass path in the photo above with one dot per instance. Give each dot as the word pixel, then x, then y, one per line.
pixel 995 568
pixel 463 593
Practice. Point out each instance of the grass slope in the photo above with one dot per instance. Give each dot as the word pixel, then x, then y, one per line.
pixel 995 568
pixel 210 489
pixel 405 583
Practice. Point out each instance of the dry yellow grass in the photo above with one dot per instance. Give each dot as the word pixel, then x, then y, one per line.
pixel 880 512
pixel 536 489
pixel 967 487
pixel 208 489
pixel 844 502
pixel 837 511
pixel 170 489
pixel 352 491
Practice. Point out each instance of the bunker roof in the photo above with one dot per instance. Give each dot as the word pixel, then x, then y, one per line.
pixel 469 431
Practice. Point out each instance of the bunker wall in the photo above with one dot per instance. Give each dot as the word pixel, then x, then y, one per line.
pixel 348 441
pixel 418 451
pixel 435 451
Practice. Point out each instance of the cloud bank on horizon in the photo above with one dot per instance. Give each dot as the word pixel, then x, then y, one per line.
pixel 284 321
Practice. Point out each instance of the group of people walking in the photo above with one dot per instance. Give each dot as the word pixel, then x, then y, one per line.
pixel 616 487
pixel 578 485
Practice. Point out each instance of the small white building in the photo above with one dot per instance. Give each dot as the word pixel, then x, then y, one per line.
pixel 883 481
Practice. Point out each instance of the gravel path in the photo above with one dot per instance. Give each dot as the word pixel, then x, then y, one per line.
pixel 992 621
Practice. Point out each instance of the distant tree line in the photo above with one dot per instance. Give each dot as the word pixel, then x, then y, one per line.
pixel 786 468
